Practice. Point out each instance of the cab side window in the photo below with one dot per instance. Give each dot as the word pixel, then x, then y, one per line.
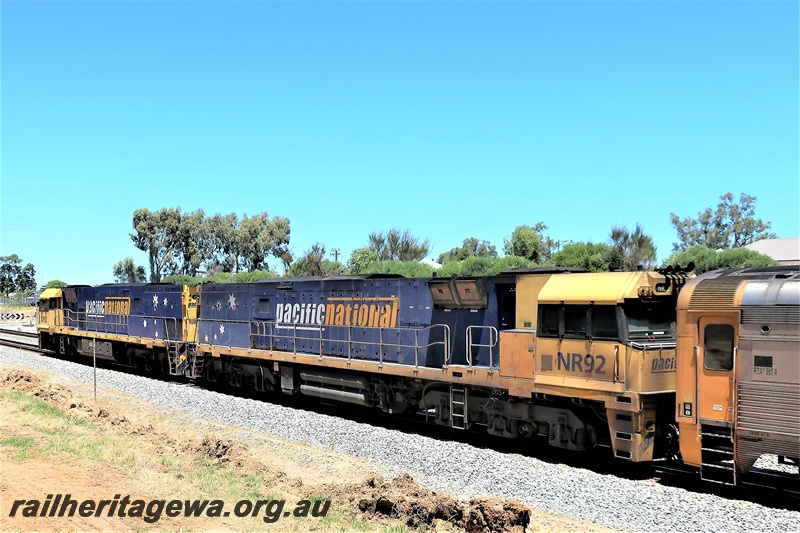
pixel 578 321
pixel 718 347
pixel 548 321
pixel 604 322
pixel 575 321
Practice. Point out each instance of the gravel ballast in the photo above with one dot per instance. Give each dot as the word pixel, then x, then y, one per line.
pixel 462 469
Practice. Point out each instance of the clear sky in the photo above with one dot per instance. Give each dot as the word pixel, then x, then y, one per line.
pixel 451 119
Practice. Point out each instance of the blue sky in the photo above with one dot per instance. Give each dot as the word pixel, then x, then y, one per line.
pixel 451 119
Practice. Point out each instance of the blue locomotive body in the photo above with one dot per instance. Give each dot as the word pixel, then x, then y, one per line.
pixel 392 320
pixel 151 311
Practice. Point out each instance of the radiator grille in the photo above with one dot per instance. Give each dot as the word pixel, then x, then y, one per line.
pixel 718 293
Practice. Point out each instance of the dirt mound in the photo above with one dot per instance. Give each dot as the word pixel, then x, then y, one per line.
pixel 218 449
pixel 404 499
pixel 27 383
pixel 491 514
pixel 60 396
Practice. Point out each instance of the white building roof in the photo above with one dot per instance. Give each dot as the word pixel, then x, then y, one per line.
pixel 781 250
pixel 431 262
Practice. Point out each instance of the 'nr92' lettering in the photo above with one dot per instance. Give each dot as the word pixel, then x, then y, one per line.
pixel 576 362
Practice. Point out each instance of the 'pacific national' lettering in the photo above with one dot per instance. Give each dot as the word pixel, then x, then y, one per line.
pixel 367 312
pixel 112 305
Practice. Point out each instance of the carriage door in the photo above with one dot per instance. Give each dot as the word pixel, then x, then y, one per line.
pixel 715 395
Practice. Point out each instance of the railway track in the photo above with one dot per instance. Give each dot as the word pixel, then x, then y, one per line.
pixel 20 344
pixel 29 334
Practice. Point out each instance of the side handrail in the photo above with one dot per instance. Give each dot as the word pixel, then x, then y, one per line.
pixel 120 324
pixel 653 345
pixel 470 344
pixel 270 333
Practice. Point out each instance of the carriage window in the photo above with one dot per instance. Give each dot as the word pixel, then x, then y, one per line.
pixel 263 305
pixel 718 347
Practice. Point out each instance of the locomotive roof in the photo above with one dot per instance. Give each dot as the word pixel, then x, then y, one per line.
pixel 781 271
pixel 600 287
pixel 544 270
pixel 52 292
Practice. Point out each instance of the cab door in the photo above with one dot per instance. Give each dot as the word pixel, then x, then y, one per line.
pixel 716 368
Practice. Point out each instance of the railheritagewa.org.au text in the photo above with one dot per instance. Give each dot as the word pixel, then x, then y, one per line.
pixel 151 511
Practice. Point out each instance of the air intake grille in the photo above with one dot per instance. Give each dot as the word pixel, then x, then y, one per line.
pixel 770 407
pixel 717 293
pixel 767 408
pixel 775 314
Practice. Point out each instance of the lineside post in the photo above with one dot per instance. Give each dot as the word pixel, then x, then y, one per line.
pixel 94 366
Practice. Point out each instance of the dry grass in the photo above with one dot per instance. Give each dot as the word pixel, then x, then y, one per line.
pixel 157 463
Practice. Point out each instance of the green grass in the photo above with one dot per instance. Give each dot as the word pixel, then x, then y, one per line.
pixel 218 480
pixel 37 406
pixel 25 448
pixel 71 439
pixel 79 446
pixel 19 442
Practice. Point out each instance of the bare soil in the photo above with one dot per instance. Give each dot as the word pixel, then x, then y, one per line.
pixel 119 446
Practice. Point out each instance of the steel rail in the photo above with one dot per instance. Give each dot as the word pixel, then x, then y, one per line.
pixel 17 333
pixel 22 346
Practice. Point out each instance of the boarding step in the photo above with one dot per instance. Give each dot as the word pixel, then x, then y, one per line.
pixel 195 362
pixel 716 455
pixel 458 407
pixel 173 357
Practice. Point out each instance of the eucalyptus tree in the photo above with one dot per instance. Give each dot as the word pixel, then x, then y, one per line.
pixel 155 233
pixel 192 241
pixel 258 237
pixel 471 247
pixel 224 251
pixel 16 278
pixel 634 248
pixel 126 271
pixel 730 225
pixel 528 242
pixel 398 245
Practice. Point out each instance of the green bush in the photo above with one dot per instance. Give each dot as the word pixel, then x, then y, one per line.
pixel 482 266
pixel 409 269
pixel 222 277
pixel 705 259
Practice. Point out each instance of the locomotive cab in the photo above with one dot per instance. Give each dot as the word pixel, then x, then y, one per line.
pixel 50 315
pixel 50 301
